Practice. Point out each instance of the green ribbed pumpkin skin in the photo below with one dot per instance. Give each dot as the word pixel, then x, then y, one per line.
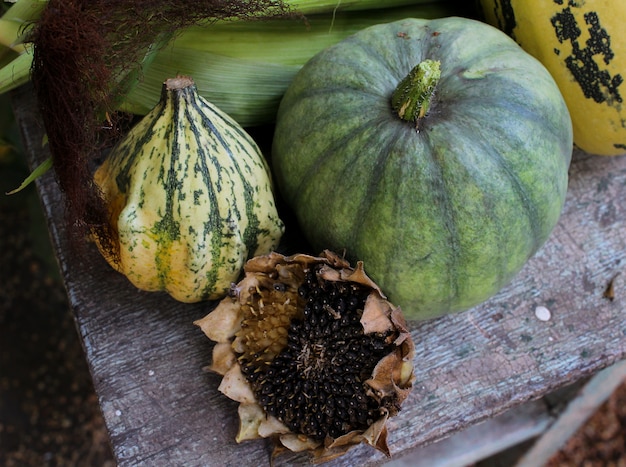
pixel 444 215
pixel 191 197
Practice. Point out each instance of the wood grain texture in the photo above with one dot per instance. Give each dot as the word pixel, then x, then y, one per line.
pixel 161 408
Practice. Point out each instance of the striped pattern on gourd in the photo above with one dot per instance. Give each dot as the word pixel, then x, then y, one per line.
pixel 191 198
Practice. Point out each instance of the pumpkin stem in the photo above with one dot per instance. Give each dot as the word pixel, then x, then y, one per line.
pixel 412 97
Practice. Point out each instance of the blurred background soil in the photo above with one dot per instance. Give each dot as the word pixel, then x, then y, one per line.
pixel 49 413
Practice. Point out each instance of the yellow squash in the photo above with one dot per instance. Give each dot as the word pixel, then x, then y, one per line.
pixel 583 45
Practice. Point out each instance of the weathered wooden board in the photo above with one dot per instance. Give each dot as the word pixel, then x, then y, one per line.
pixel 482 440
pixel 146 356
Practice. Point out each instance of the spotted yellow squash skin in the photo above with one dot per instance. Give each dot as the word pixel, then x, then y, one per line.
pixel 583 45
pixel 190 197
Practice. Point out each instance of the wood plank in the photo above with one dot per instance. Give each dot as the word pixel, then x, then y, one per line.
pixel 482 440
pixel 146 357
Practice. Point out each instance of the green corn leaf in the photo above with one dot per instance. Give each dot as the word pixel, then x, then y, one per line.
pixel 35 174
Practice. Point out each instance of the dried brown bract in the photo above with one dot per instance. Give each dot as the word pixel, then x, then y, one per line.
pixel 316 356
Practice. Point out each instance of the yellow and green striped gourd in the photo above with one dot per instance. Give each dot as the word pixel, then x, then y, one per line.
pixel 190 197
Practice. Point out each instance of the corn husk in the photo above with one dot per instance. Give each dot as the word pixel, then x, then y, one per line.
pixel 245 67
pixel 242 66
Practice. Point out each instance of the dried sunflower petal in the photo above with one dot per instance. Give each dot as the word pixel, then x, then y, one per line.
pixel 314 353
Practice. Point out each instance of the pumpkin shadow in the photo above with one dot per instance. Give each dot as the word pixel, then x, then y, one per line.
pixel 293 241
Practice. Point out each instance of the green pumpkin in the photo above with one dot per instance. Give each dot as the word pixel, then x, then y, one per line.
pixel 435 151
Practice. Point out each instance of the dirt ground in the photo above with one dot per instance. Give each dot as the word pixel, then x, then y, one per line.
pixel 49 413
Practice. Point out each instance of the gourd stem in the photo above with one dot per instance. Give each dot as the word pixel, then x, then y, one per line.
pixel 180 82
pixel 412 97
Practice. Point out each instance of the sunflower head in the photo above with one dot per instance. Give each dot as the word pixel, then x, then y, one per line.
pixel 314 353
